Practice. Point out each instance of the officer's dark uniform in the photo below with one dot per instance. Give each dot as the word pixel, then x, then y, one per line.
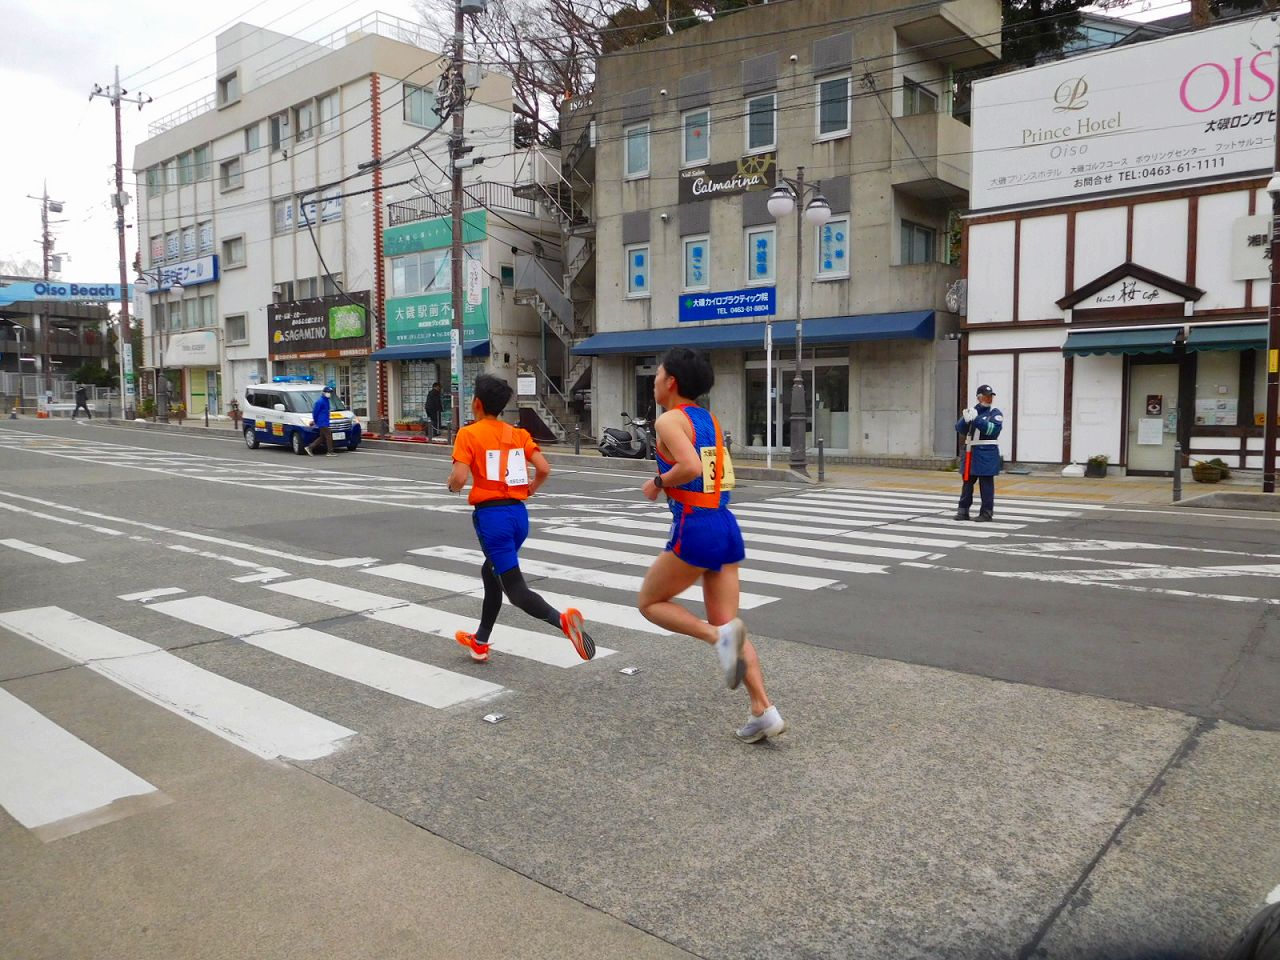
pixel 984 430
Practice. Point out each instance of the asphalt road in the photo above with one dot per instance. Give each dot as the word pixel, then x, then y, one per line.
pixel 236 723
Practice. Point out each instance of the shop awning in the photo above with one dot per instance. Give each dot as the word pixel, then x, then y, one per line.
pixel 430 351
pixel 1234 336
pixel 1085 343
pixel 917 325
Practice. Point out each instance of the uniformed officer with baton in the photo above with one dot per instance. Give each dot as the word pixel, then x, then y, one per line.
pixel 980 425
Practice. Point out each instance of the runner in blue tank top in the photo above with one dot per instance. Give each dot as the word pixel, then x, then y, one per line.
pixel 696 474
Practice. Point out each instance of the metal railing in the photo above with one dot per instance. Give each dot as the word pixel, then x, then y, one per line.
pixel 532 274
pixel 489 195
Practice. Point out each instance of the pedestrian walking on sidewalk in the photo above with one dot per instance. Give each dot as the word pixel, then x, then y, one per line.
pixel 433 406
pixel 696 474
pixel 980 425
pixel 320 417
pixel 82 403
pixel 497 457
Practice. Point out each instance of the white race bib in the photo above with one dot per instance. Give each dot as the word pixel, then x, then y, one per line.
pixel 517 468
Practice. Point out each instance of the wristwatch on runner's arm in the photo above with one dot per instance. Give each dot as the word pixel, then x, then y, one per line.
pixel 657 481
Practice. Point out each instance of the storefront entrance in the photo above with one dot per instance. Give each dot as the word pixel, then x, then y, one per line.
pixel 826 390
pixel 1152 421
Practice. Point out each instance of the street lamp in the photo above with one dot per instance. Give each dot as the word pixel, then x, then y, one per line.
pixel 782 202
pixel 165 284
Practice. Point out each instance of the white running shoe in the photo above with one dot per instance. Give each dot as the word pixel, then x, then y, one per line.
pixel 729 649
pixel 768 724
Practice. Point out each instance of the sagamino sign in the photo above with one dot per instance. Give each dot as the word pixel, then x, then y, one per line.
pixel 758 172
pixel 1203 109
pixel 321 328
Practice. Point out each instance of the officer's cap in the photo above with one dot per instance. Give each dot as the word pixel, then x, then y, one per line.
pixel 985 389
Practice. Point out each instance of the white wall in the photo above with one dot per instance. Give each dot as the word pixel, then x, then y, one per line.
pixel 1096 414
pixel 1100 243
pixel 1159 230
pixel 995 370
pixel 1042 271
pixel 1216 214
pixel 991 272
pixel 1038 417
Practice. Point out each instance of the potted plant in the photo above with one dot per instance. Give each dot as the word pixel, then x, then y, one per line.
pixel 1223 469
pixel 178 412
pixel 1202 471
pixel 1097 465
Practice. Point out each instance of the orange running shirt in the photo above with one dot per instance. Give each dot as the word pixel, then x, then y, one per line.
pixel 499 457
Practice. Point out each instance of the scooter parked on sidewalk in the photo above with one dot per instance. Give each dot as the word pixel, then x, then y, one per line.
pixel 635 442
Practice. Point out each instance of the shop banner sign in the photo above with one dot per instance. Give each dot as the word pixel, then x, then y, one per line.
pixel 428 319
pixel 189 273
pixel 758 172
pixel 192 350
pixel 1251 248
pixel 319 328
pixel 1194 106
pixel 729 304
pixel 432 234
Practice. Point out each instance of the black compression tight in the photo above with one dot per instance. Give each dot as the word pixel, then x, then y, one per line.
pixel 512 584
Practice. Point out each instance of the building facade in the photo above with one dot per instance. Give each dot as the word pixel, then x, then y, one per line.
pixel 1118 251
pixel 263 214
pixel 668 167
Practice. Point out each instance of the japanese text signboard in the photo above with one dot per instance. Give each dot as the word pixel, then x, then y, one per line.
pixel 728 304
pixel 1194 106
pixel 319 328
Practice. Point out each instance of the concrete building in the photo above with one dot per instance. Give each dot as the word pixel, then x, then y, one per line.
pixel 1118 252
pixel 667 168
pixel 262 222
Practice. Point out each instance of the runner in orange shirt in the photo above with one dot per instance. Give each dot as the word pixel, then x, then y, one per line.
pixel 497 457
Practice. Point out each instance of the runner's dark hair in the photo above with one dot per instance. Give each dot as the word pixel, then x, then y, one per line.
pixel 692 371
pixel 494 393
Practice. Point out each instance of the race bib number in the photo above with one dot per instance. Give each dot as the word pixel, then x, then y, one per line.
pixel 517 467
pixel 709 470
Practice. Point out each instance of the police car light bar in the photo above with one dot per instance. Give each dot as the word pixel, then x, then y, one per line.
pixel 292 378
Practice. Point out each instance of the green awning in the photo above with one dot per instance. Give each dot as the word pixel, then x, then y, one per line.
pixel 1224 336
pixel 1085 343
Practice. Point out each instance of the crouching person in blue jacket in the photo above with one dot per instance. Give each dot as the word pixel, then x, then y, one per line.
pixel 980 425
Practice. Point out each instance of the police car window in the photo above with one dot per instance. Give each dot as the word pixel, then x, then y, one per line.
pixel 302 401
pixel 270 399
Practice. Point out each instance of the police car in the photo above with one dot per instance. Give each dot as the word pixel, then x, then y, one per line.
pixel 280 412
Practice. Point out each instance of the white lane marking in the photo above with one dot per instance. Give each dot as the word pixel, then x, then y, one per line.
pixel 1047 503
pixel 64 520
pixel 57 556
pixel 246 717
pixel 599 611
pixel 967 530
pixel 821 546
pixel 597 578
pixel 145 595
pixel 939 505
pixel 51 775
pixel 391 673
pixel 265 577
pixel 189 535
pixel 1273 896
pixel 566 548
pixel 543 647
pixel 1150 572
pixel 768 556
pixel 803 520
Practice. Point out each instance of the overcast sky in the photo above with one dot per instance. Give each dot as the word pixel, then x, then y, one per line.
pixel 56 50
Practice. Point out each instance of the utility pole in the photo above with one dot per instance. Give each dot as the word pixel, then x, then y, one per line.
pixel 1272 415
pixel 116 96
pixel 46 252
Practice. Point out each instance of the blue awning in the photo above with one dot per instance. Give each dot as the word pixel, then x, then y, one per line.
pixel 916 325
pixel 430 351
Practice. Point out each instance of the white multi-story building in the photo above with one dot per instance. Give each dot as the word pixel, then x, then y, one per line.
pixel 262 219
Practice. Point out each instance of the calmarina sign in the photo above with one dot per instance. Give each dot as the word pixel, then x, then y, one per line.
pixel 757 172
pixel 1195 106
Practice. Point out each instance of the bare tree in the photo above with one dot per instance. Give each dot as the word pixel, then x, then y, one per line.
pixel 15 267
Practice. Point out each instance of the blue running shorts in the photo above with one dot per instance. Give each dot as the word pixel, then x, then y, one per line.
pixel 501 530
pixel 705 538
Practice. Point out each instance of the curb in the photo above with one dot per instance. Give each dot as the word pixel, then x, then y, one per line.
pixel 1269 502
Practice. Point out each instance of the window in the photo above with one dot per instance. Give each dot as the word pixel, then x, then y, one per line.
pixel 636 148
pixel 188 242
pixel 233 252
pixel 833 107
pixel 228 89
pixel 426 272
pixel 172 245
pixel 696 141
pixel 279 131
pixel 283 291
pixel 917 98
pixel 207 316
pixel 157 249
pixel 507 276
pixel 697 263
pixel 200 157
pixel 303 116
pixel 328 107
pixel 230 173
pixel 170 174
pixel 235 329
pixel 282 215
pixel 253 138
pixel 204 232
pixel 153 181
pixel 192 312
pixel 918 243
pixel 331 205
pixel 185 169
pixel 761 254
pixel 833 248
pixel 761 130
pixel 638 268
pixel 419 106
pixel 175 315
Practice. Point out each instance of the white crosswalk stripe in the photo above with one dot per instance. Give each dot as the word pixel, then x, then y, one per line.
pixel 815 544
pixel 389 672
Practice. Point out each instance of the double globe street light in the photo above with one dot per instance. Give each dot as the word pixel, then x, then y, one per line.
pixel 162 282
pixel 782 203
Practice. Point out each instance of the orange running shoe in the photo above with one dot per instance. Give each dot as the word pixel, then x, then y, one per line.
pixel 571 624
pixel 479 651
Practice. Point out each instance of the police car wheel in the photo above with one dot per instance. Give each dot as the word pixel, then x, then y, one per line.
pixel 296 443
pixel 250 438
